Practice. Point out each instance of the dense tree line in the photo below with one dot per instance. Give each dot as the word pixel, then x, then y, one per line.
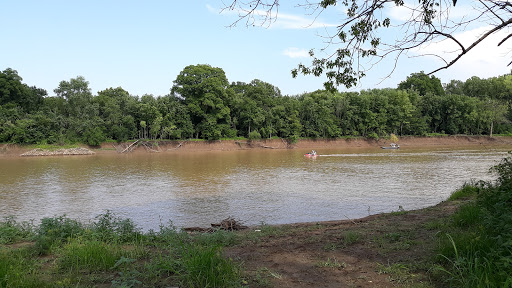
pixel 203 104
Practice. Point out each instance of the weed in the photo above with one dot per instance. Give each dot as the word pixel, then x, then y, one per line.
pixel 351 237
pixel 397 272
pixel 393 236
pixel 127 278
pixel 11 232
pixel 263 277
pixel 331 263
pixel 110 228
pixel 330 247
pixel 435 224
pixel 467 215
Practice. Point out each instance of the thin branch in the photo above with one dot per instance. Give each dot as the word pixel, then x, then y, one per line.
pixel 465 51
pixel 505 39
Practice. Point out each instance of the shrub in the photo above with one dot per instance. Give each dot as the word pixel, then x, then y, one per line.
pixel 373 135
pixel 11 232
pixel 110 228
pixel 254 135
pixel 467 190
pixel 55 231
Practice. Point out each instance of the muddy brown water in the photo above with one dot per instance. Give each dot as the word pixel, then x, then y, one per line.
pixel 253 186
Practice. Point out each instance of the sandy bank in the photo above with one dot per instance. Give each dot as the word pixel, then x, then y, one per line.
pixel 230 145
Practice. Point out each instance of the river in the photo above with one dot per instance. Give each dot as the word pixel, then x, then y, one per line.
pixel 253 186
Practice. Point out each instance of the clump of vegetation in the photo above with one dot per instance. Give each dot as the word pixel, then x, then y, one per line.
pixel 393 138
pixel 11 231
pixel 61 252
pixel 476 250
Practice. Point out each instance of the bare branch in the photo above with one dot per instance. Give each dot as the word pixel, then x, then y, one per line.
pixel 473 45
pixel 358 34
pixel 504 39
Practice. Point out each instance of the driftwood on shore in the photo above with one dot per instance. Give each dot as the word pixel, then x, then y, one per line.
pixel 130 147
pixel 254 144
pixel 228 224
pixel 70 151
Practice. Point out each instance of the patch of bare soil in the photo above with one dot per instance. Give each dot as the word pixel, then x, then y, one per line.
pixel 387 250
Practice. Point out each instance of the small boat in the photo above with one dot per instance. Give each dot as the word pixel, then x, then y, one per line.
pixel 391 146
pixel 311 154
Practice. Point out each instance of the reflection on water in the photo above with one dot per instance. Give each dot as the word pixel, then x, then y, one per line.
pixel 271 186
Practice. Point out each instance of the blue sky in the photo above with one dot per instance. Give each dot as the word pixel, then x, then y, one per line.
pixel 142 46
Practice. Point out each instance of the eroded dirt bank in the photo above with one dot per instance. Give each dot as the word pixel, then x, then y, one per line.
pixel 228 145
pixel 13 150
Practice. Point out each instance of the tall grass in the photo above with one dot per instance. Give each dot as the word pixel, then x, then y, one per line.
pixel 19 269
pixel 477 251
pixel 93 255
pixel 206 267
pixel 468 190
pixel 113 252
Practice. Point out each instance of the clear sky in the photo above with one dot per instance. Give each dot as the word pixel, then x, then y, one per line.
pixel 142 46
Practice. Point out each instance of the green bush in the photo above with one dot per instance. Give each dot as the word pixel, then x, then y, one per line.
pixel 373 135
pixel 56 230
pixel 11 232
pixel 467 190
pixel 254 135
pixel 110 228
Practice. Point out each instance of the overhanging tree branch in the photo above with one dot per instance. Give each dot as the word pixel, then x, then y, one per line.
pixel 473 45
pixel 360 34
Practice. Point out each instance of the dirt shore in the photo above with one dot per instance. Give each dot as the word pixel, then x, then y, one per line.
pixel 386 250
pixel 13 150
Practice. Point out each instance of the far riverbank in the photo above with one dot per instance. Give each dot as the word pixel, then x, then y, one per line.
pixel 170 146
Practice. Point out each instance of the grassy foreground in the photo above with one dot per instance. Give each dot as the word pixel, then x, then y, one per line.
pixel 464 242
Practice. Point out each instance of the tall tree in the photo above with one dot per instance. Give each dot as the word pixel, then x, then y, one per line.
pixel 119 121
pixel 12 90
pixel 422 83
pixel 84 123
pixel 206 92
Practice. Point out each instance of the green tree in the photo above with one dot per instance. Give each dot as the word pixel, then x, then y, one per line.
pixel 422 83
pixel 176 122
pixel 78 96
pixel 119 122
pixel 252 107
pixel 206 92
pixel 454 87
pixel 12 90
pixel 317 115
pixel 81 112
pixel 400 110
